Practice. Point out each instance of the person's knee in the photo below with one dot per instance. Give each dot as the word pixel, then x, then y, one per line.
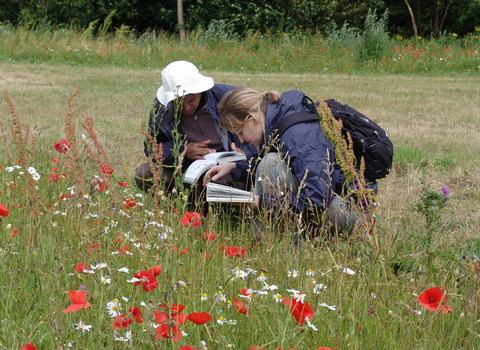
pixel 143 177
pixel 341 215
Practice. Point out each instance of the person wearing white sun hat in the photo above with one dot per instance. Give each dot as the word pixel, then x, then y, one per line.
pixel 186 105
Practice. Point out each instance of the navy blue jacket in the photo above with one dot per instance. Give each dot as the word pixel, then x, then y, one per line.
pixel 309 151
pixel 162 124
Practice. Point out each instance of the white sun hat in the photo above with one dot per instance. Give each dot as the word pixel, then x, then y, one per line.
pixel 181 78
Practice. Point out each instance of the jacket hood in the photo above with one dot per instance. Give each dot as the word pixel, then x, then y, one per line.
pixel 291 102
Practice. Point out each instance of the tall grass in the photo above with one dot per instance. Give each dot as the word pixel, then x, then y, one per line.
pixel 345 50
pixel 363 290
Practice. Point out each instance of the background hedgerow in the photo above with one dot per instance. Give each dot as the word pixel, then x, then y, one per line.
pixel 363 290
pixel 344 50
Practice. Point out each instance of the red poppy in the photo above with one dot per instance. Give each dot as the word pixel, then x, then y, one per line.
pixel 61 146
pixel 14 232
pixel 121 321
pixel 65 196
pixel 136 313
pixel 179 319
pixel 4 210
pixel 206 256
pixel 180 252
pixel 122 184
pixel 434 299
pixel 99 185
pixel 79 301
pixel 160 317
pixel 164 331
pixel 55 160
pixel 207 236
pixel 256 348
pixel 241 308
pixel 130 203
pixel 53 177
pixel 299 310
pixel 92 246
pixel 199 317
pixel 187 347
pixel 324 348
pixel 234 251
pixel 29 347
pixel 246 292
pixel 81 266
pixel 147 280
pixel 106 169
pixel 156 270
pixel 175 308
pixel 190 218
pixel 124 250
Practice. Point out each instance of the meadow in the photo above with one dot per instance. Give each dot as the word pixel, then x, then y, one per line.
pixel 87 260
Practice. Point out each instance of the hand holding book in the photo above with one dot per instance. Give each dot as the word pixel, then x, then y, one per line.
pixel 200 166
pixel 218 171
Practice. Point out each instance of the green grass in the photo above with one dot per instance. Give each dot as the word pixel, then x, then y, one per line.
pixel 375 308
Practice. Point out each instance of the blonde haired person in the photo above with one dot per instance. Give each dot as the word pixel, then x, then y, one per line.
pixel 303 171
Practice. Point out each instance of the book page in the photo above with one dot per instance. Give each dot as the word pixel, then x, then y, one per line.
pixel 227 194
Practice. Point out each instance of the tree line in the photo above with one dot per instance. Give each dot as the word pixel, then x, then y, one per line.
pixel 408 18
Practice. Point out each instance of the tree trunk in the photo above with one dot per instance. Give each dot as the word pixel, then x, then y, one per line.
pixel 414 25
pixel 181 22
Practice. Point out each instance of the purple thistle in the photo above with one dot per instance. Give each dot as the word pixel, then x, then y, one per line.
pixel 446 192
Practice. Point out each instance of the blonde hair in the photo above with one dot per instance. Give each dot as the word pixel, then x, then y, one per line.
pixel 237 105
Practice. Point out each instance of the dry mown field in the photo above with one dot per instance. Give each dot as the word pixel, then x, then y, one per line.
pixel 436 118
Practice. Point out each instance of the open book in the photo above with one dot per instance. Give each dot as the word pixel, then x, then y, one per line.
pixel 227 194
pixel 200 166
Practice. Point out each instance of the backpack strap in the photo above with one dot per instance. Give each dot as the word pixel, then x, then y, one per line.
pixel 295 118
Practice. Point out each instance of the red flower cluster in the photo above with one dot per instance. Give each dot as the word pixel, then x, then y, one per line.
pixel 62 146
pixel 299 310
pixel 190 218
pixel 170 326
pixel 79 301
pixel 434 299
pixel 130 203
pixel 233 251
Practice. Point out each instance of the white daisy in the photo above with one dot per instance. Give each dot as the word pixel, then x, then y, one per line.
pixel 114 308
pixel 293 274
pixel 105 279
pixel 330 307
pixel 83 327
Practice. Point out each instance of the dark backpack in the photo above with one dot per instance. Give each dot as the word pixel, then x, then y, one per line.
pixel 370 141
